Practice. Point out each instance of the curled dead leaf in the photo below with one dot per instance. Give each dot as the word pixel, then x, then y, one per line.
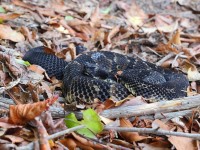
pixel 22 113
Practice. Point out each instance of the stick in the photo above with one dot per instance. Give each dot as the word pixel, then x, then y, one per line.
pixel 154 131
pixel 149 109
pixel 31 145
pixel 168 56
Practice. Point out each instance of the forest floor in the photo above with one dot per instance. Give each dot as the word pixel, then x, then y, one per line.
pixel 33 116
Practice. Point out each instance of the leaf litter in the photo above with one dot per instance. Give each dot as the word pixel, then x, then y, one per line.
pixel 163 32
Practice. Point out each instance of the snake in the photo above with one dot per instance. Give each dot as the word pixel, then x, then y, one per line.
pixel 105 74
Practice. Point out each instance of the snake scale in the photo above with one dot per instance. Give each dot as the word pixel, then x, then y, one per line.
pixel 105 74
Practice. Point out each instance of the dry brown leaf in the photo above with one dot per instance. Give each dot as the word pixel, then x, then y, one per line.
pixel 9 16
pixel 122 143
pixel 36 69
pixel 130 136
pixel 52 126
pixel 10 64
pixel 175 38
pixel 150 147
pixel 45 87
pixel 166 23
pixel 13 35
pixel 86 142
pixel 22 4
pixel 135 15
pixel 133 101
pixel 186 143
pixel 182 143
pixel 58 5
pixel 28 35
pixel 77 22
pixel 69 143
pixel 22 113
pixel 166 48
pixel 95 17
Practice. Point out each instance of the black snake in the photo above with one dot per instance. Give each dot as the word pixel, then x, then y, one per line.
pixel 107 74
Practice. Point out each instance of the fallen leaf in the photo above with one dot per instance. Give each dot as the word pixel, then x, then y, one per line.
pixel 69 143
pixel 9 16
pixel 166 23
pixel 186 143
pixel 130 136
pixel 175 38
pixel 135 15
pixel 87 143
pixel 90 119
pixel 13 35
pixel 22 113
pixel 52 125
pixel 95 17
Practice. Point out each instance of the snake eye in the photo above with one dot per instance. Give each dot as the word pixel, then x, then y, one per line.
pixel 119 67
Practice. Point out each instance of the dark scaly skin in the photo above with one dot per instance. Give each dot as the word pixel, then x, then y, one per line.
pixel 94 75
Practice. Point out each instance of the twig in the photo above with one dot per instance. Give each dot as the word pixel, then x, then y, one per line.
pixel 53 136
pixel 166 116
pixel 11 85
pixel 31 145
pixel 168 56
pixel 154 131
pixel 149 109
pixel 105 143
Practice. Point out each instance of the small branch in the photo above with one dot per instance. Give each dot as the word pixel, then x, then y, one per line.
pixel 11 85
pixel 154 131
pixel 160 62
pixel 106 144
pixel 53 136
pixel 153 108
pixel 167 116
pixel 31 145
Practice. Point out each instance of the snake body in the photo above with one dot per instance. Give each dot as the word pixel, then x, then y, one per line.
pixel 107 74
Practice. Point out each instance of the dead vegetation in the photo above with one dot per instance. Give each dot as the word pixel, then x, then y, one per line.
pixel 165 33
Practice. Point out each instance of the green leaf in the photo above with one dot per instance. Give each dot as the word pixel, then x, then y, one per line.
pixel 22 62
pixel 90 119
pixel 68 18
pixel 2 10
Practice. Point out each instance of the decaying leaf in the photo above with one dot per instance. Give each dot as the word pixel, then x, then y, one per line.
pixel 9 16
pixel 130 136
pixel 179 142
pixel 13 35
pixel 22 113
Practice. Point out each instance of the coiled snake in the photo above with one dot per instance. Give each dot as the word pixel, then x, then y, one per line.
pixel 106 74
